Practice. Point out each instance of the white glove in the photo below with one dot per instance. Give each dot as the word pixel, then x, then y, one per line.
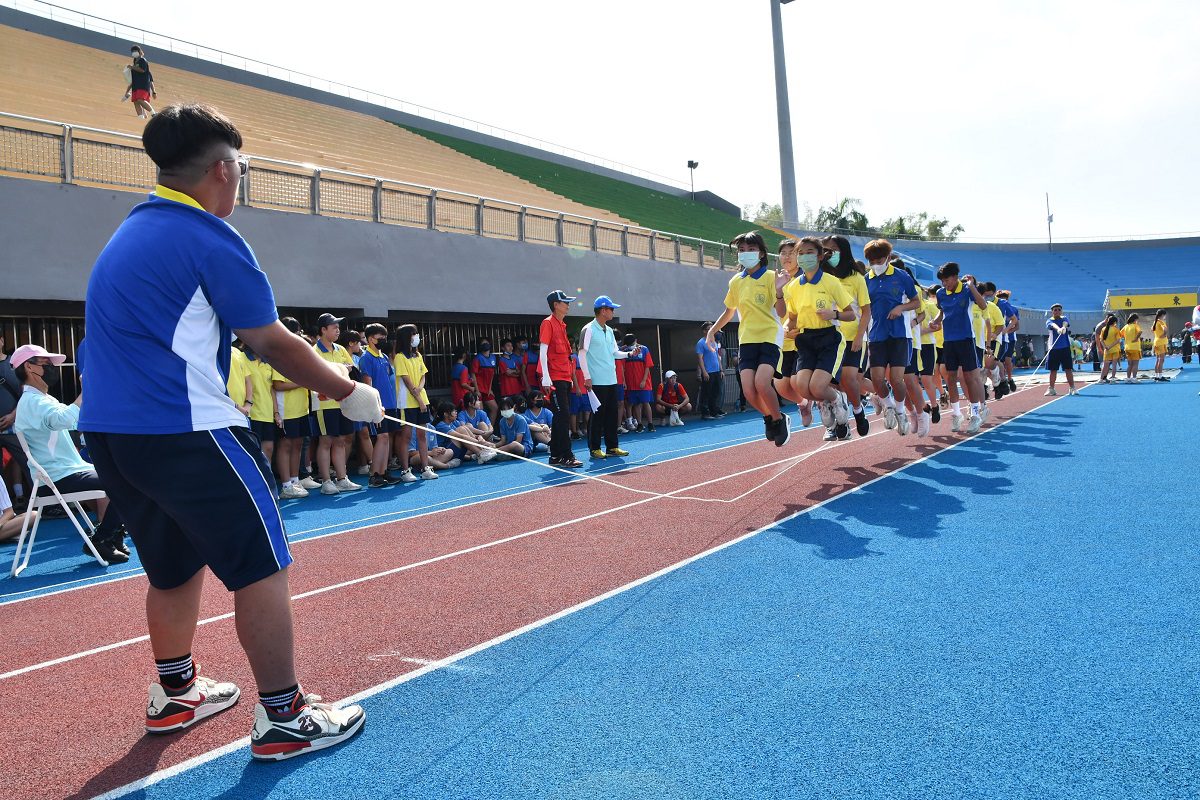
pixel 362 404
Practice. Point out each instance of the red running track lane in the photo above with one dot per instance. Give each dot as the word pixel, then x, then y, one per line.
pixel 352 638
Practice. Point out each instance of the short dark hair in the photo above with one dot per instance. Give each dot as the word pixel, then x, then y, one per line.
pixel 137 47
pixel 374 329
pixel 445 407
pixel 508 401
pixel 183 133
pixel 629 339
pixel 752 239
pixel 947 270
pixel 292 324
pixel 349 336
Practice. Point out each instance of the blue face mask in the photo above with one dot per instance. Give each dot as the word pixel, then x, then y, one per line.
pixel 835 258
pixel 807 261
pixel 748 260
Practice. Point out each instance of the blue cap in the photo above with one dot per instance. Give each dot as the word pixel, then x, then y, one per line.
pixel 604 301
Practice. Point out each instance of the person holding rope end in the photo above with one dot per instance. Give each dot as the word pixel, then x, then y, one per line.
pixel 175 455
pixel 558 373
pixel 1059 350
pixel 598 355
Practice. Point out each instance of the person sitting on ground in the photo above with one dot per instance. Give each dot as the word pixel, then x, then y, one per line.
pixel 514 430
pixel 436 456
pixel 672 399
pixel 45 423
pixel 465 444
pixel 539 422
pixel 10 522
pixel 475 418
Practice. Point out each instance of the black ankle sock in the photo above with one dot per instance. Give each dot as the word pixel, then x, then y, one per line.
pixel 176 673
pixel 280 702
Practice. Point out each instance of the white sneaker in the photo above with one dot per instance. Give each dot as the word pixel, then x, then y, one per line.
pixel 428 474
pixel 955 422
pixel 310 483
pixel 1050 393
pixel 841 411
pixel 293 491
pixel 620 429
pixel 890 418
pixel 454 462
pixel 1073 391
pixel 542 447
pixel 902 422
pixel 975 423
pixel 923 424
pixel 312 726
pixel 487 455
pixel 984 413
pixel 347 485
pixel 329 487
pixel 407 477
pixel 205 697
pixel 365 469
pixel 827 414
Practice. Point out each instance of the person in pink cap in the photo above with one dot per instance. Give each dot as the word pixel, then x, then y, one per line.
pixel 46 424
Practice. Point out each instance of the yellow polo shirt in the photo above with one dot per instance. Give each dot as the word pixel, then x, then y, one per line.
pixel 804 298
pixel 295 401
pixel 930 307
pixel 752 295
pixel 856 286
pixel 415 369
pixel 236 385
pixel 338 355
pixel 996 317
pixel 260 373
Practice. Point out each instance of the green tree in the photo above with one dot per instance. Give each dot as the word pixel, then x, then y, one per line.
pixel 920 226
pixel 843 217
pixel 764 214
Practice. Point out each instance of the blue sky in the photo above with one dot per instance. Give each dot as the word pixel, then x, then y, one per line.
pixel 969 110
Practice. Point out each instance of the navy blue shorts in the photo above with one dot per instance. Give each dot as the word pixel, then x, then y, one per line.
pixel 788 366
pixel 634 396
pixel 960 354
pixel 388 426
pixel 1059 358
pixel 893 352
pixel 416 416
pixel 330 422
pixel 940 358
pixel 820 349
pixel 620 393
pixel 855 360
pixel 928 359
pixel 190 500
pixel 265 431
pixel 297 428
pixel 754 355
pixel 1007 350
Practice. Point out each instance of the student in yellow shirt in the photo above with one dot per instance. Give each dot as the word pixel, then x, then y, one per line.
pixel 333 429
pixel 852 378
pixel 413 402
pixel 788 269
pixel 1132 334
pixel 995 326
pixel 1108 344
pixel 296 424
pixel 931 380
pixel 264 417
pixel 238 384
pixel 752 295
pixel 814 301
pixel 1160 344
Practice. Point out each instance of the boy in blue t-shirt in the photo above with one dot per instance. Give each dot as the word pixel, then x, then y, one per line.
pixel 466 443
pixel 514 430
pixel 954 301
pixel 893 295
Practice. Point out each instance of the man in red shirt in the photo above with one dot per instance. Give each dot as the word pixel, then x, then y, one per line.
pixel 558 373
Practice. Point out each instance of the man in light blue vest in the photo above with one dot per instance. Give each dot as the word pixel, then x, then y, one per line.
pixel 598 360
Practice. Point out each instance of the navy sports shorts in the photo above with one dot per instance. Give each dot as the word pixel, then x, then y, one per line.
pixel 1007 350
pixel 1059 358
pixel 298 427
pixel 856 360
pixel 754 355
pixel 928 359
pixel 788 367
pixel 634 396
pixel 981 353
pixel 960 354
pixel 892 352
pixel 620 392
pixel 820 349
pixel 190 500
pixel 265 431
pixel 388 426
pixel 940 355
pixel 330 422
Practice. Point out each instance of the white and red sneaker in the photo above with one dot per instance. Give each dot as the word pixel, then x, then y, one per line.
pixel 167 712
pixel 310 726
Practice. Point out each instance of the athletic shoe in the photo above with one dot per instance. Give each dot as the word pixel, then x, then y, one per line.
pixel 783 431
pixel 365 469
pixel 118 543
pixel 768 428
pixel 598 454
pixel 830 435
pixel 955 422
pixel 107 550
pixel 984 413
pixel 935 413
pixel 347 485
pixel 406 475
pixel 1073 391
pixel 1012 385
pixel 293 491
pixel 540 447
pixel 377 482
pixel 428 474
pixel 1051 392
pixel 720 413
pixel 890 418
pixel 806 415
pixel 923 423
pixel 944 401
pixel 394 463
pixel 902 422
pixel 309 483
pixel 649 426
pixel 616 452
pixel 486 455
pixel 841 411
pixel 1001 390
pixel 454 463
pixel 571 463
pixel 310 726
pixel 975 423
pixel 827 415
pixel 841 433
pixel 329 487
pixel 174 712
pixel 622 429
pixel 861 423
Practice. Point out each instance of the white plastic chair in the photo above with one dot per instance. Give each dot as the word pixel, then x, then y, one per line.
pixel 69 502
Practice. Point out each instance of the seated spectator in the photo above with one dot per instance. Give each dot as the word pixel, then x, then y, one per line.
pixel 466 444
pixel 514 430
pixel 45 424
pixel 10 393
pixel 671 397
pixel 539 418
pixel 438 457
pixel 10 523
pixel 474 416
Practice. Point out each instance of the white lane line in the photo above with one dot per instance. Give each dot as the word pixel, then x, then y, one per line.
pixel 204 758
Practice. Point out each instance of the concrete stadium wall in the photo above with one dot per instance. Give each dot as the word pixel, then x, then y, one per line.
pixel 52 234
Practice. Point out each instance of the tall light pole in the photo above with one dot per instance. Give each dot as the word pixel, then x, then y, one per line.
pixel 787 165
pixel 692 170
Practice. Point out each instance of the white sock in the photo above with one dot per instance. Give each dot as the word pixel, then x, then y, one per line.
pixel 295 480
pixel 954 408
pixel 975 409
pixel 858 408
pixel 890 401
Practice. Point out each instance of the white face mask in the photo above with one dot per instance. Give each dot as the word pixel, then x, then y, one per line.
pixel 416 340
pixel 748 259
pixel 879 269
pixel 507 413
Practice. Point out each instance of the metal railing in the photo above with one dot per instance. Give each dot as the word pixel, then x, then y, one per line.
pixel 76 154
pixel 150 39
